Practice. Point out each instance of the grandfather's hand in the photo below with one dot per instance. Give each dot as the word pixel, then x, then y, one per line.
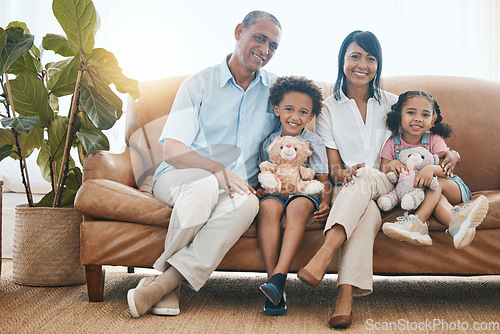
pixel 230 181
pixel 451 158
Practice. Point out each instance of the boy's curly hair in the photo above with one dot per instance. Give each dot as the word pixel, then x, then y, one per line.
pixel 284 85
pixel 393 121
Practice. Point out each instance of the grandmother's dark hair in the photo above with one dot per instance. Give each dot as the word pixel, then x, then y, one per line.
pixel 369 42
pixel 284 85
pixel 253 17
pixel 394 116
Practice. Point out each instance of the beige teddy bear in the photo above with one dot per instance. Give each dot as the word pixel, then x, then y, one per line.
pixel 285 175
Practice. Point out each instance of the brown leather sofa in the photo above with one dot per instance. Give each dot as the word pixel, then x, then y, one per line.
pixel 124 225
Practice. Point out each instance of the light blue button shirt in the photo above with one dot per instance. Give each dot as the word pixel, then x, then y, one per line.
pixel 219 120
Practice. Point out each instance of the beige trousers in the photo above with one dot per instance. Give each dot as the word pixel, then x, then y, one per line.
pixel 356 210
pixel 205 222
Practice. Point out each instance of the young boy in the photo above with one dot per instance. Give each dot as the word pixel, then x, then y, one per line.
pixel 296 100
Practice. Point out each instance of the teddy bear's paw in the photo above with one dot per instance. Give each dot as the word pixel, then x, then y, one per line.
pixel 384 203
pixel 409 203
pixel 268 181
pixel 314 188
pixel 434 184
pixel 392 177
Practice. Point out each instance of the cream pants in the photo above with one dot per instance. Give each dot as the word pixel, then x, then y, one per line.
pixel 356 210
pixel 205 222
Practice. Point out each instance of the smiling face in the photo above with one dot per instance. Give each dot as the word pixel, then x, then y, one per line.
pixel 360 67
pixel 294 111
pixel 417 117
pixel 256 44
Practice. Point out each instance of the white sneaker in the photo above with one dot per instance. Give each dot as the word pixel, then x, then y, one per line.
pixel 464 220
pixel 169 304
pixel 410 229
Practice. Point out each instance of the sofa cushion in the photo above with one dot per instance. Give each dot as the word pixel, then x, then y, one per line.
pixel 110 200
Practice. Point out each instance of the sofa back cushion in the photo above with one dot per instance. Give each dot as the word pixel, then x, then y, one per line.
pixel 469 105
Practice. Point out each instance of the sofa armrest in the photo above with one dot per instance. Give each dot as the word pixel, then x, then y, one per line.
pixel 110 166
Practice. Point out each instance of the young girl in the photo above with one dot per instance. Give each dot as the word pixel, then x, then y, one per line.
pixel 412 117
pixel 295 100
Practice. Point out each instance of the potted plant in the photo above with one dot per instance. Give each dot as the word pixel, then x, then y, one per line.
pixel 32 120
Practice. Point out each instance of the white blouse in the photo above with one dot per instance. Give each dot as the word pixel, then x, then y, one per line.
pixel 341 127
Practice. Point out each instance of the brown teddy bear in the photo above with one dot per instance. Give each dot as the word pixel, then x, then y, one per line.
pixel 285 175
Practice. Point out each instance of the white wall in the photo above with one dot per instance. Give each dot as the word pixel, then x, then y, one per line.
pixel 158 38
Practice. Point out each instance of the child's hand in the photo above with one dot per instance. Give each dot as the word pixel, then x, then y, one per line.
pixel 322 213
pixel 397 167
pixel 261 193
pixel 424 177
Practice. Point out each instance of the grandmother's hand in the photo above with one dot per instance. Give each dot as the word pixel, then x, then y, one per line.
pixel 350 173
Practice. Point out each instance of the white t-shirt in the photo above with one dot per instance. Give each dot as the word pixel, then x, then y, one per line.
pixel 341 127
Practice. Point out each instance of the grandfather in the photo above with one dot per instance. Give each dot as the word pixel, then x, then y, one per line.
pixel 210 146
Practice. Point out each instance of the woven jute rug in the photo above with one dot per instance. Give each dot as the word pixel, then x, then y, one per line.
pixel 232 303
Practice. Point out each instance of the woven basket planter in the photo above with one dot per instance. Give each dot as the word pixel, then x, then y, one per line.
pixel 47 247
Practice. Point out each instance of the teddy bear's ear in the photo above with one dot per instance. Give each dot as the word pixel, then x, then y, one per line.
pixel 436 159
pixel 275 140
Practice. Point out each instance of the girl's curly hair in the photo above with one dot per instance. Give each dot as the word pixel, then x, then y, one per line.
pixel 394 116
pixel 284 85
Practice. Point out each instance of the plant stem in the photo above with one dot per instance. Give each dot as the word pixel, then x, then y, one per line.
pixel 20 153
pixel 59 184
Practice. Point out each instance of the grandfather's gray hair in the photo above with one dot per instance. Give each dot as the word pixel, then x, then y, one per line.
pixel 252 18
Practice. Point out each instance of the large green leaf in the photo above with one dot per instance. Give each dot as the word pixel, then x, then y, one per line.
pixel 7 142
pixel 19 24
pixel 78 20
pixel 31 141
pixel 30 96
pixel 62 76
pixel 92 140
pixel 46 201
pixel 6 137
pixel 74 180
pixel 3 39
pixel 30 61
pixel 27 62
pixel 59 44
pixel 21 124
pixel 105 63
pixel 57 137
pixel 94 79
pixel 6 151
pixel 73 183
pixel 16 44
pixel 43 160
pixel 100 109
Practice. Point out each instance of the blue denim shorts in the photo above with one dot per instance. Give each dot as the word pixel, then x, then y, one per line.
pixel 464 190
pixel 285 201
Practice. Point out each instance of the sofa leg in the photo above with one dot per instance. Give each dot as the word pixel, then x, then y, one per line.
pixel 95 282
